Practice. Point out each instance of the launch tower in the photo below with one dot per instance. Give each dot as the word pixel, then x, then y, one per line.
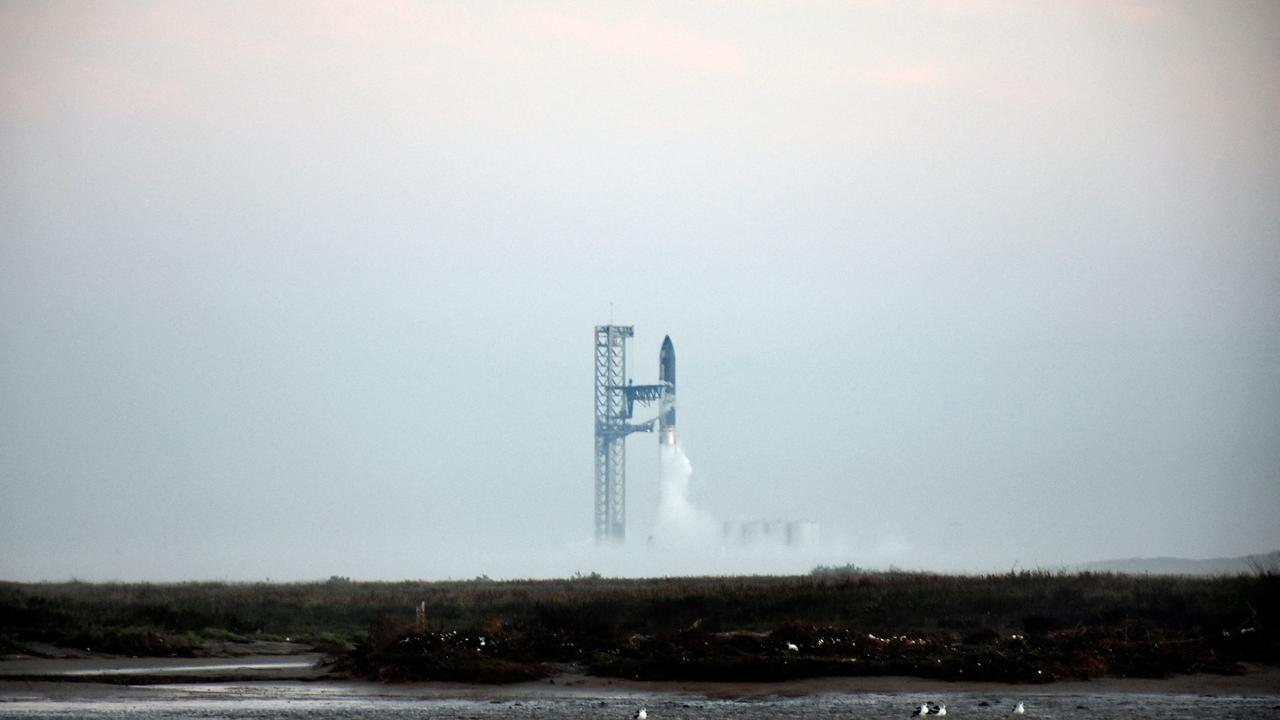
pixel 615 400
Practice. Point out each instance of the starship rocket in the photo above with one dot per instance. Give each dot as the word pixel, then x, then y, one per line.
pixel 667 376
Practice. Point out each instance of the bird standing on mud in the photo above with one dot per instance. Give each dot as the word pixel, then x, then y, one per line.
pixel 1019 709
pixel 640 714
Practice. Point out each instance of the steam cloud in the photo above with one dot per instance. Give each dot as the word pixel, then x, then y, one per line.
pixel 679 523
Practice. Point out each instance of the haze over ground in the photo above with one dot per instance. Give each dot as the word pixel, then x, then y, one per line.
pixel 301 289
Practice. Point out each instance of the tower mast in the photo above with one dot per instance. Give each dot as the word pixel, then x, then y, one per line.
pixel 615 398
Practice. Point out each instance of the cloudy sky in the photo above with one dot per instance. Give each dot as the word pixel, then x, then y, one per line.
pixel 298 289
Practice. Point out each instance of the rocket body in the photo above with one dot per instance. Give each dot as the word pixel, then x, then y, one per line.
pixel 667 377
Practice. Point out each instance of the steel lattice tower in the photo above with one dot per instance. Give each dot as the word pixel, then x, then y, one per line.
pixel 615 397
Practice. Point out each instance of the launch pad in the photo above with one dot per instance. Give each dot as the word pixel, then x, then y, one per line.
pixel 616 398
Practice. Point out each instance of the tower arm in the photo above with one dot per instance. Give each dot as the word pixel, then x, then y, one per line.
pixel 617 430
pixel 643 394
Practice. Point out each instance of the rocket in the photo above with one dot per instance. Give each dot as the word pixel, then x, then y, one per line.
pixel 667 405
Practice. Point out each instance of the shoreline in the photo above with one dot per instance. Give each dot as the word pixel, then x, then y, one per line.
pixel 93 677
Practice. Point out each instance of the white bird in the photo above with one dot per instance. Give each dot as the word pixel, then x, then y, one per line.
pixel 641 714
pixel 793 647
pixel 1019 709
pixel 921 711
pixel 940 710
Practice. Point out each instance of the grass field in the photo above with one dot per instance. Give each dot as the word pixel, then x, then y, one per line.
pixel 1025 626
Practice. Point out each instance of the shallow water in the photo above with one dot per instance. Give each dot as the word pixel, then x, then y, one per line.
pixel 85 667
pixel 243 701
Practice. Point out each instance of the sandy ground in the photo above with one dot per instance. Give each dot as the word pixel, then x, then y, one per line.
pixel 112 677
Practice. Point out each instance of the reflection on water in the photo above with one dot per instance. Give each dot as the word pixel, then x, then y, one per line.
pixel 325 701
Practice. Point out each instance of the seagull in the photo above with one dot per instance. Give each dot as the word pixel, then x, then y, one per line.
pixel 793 647
pixel 1019 709
pixel 938 710
pixel 921 711
pixel 641 714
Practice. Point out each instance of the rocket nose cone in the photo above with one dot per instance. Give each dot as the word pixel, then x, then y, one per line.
pixel 667 362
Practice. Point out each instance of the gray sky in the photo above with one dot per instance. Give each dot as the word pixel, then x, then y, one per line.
pixel 298 289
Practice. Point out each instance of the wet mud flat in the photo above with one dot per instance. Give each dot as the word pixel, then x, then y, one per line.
pixel 1256 693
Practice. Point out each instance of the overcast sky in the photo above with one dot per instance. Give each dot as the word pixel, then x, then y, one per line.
pixel 290 290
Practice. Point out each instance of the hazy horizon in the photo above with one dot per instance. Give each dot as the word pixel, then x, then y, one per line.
pixel 308 289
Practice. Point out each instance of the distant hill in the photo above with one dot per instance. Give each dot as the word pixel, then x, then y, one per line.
pixel 1248 565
